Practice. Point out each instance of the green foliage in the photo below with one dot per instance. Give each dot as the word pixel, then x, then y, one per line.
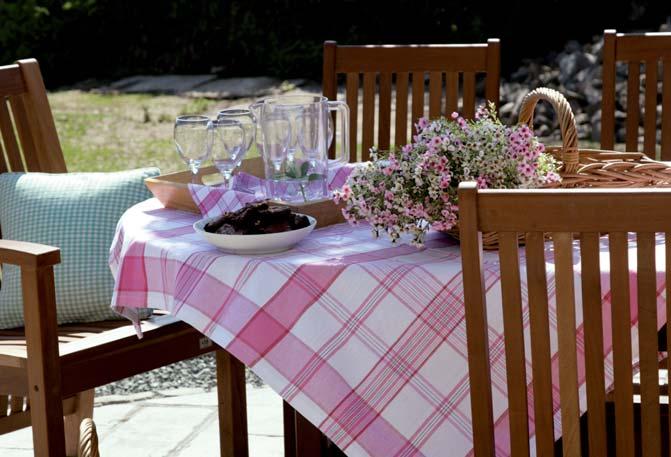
pixel 106 39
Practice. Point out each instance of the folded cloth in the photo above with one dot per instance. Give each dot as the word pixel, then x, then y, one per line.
pixel 246 188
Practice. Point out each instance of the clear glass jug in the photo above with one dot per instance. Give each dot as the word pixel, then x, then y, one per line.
pixel 296 132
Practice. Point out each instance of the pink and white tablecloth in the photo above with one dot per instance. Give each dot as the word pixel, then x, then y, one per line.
pixel 363 338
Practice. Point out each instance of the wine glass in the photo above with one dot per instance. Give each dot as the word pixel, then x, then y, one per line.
pixel 192 141
pixel 256 110
pixel 229 145
pixel 246 119
pixel 308 128
pixel 277 135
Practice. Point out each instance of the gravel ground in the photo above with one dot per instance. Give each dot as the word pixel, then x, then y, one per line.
pixel 199 372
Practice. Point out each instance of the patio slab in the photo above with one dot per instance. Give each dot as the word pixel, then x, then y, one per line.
pixel 180 423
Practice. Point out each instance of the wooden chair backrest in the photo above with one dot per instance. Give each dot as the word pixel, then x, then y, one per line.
pixel 562 213
pixel 653 50
pixel 378 68
pixel 27 130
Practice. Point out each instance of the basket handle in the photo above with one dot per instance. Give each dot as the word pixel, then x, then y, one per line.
pixel 569 134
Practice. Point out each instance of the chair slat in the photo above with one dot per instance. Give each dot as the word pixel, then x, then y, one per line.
pixel 468 100
pixel 633 107
pixel 16 404
pixel 493 71
pixel 477 340
pixel 621 336
pixel 3 163
pixel 650 118
pixel 435 93
pixel 451 92
pixel 368 125
pixel 594 350
pixel 384 113
pixel 352 88
pixel 417 98
pixel 4 403
pixel 667 283
pixel 49 155
pixel 401 135
pixel 9 138
pixel 24 128
pixel 540 343
pixel 566 335
pixel 666 110
pixel 634 45
pixel 647 342
pixel 608 91
pixel 471 57
pixel 514 344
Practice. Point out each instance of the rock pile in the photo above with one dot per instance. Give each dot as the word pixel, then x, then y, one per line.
pixel 577 73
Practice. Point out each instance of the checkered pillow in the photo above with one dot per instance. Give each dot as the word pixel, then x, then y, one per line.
pixel 78 213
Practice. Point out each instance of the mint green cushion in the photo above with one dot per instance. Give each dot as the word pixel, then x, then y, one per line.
pixel 77 212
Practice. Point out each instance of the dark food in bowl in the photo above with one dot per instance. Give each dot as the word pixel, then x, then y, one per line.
pixel 257 219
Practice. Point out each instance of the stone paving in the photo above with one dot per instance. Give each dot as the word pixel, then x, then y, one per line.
pixel 176 423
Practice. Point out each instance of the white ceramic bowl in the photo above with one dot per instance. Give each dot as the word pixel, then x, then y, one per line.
pixel 254 244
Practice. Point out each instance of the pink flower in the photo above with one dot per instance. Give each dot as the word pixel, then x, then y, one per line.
pixel 445 181
pixel 454 115
pixel 552 177
pixel 481 182
pixel 422 123
pixel 526 170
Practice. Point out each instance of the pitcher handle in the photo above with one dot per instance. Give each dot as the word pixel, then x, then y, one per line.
pixel 342 108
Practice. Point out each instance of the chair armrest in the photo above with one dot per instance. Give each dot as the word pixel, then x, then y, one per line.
pixel 26 254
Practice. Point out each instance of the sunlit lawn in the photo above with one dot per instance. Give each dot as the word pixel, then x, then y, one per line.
pixel 119 132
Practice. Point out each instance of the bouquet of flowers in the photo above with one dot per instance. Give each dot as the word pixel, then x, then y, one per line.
pixel 415 188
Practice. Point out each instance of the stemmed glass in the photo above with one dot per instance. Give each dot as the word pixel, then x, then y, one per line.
pixel 229 146
pixel 277 134
pixel 246 119
pixel 307 126
pixel 192 141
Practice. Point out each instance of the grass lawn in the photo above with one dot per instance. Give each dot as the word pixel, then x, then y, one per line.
pixel 119 132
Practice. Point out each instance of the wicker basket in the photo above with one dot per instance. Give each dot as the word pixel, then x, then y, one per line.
pixel 586 167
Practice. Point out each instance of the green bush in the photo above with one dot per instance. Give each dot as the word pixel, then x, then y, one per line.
pixel 108 39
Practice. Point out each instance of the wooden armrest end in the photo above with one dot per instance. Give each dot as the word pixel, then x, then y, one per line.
pixel 26 254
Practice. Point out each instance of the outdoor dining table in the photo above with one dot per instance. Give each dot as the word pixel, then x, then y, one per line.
pixel 364 338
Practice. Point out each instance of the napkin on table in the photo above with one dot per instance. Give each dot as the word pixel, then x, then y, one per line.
pixel 246 188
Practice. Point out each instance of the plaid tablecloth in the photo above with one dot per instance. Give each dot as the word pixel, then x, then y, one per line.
pixel 364 338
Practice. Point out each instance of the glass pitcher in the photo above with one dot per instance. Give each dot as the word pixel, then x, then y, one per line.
pixel 255 108
pixel 297 131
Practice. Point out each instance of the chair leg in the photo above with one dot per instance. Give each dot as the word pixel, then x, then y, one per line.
pixel 289 419
pixel 232 405
pixel 309 440
pixel 44 374
pixel 84 410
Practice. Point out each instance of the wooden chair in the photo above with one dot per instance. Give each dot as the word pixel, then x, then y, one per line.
pixel 47 371
pixel 654 51
pixel 378 68
pixel 562 213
